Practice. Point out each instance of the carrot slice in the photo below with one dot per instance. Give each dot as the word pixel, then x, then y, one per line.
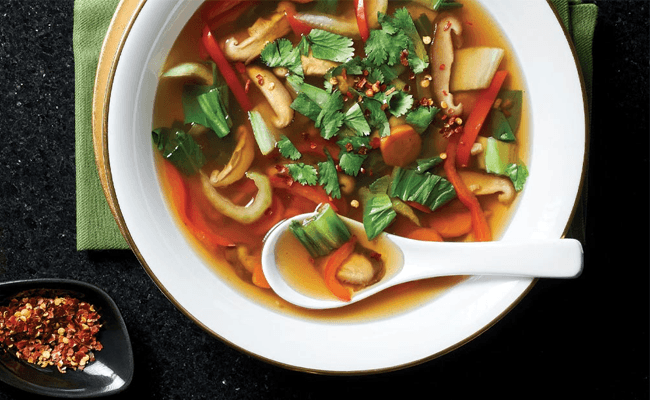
pixel 428 234
pixel 334 262
pixel 451 221
pixel 401 147
pixel 477 117
pixel 480 226
pixel 258 278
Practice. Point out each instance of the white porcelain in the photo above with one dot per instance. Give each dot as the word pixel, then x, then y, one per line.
pixel 407 260
pixel 556 165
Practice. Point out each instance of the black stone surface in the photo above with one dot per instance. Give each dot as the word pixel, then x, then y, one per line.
pixel 585 338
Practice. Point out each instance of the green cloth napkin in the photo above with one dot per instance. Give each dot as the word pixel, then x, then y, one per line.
pixel 96 228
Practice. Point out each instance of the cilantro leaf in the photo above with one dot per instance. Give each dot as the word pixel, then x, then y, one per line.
pixel 330 46
pixel 382 47
pixel 350 162
pixel 302 173
pixel 377 117
pixel 287 149
pixel 400 103
pixel 421 117
pixel 328 177
pixel 281 53
pixel 306 106
pixel 354 119
pixel 357 142
pixel 331 118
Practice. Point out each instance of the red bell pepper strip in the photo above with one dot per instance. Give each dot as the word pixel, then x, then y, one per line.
pixel 226 69
pixel 315 194
pixel 230 15
pixel 299 28
pixel 480 226
pixel 188 215
pixel 477 117
pixel 362 21
pixel 219 7
pixel 334 262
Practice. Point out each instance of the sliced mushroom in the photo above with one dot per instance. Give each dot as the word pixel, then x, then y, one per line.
pixel 260 33
pixel 240 160
pixel 195 72
pixel 356 270
pixel 483 184
pixel 275 92
pixel 315 66
pixel 442 54
pixel 244 214
pixel 346 25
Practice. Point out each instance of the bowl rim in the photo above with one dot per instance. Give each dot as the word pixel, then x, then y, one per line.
pixel 123 19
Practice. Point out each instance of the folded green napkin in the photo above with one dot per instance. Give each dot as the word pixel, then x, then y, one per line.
pixel 96 228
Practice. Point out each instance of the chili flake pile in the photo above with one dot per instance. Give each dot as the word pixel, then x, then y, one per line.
pixel 57 331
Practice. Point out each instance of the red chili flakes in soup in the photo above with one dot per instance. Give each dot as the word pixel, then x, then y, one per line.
pixel 58 331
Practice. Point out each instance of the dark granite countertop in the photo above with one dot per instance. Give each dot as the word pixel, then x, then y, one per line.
pixel 585 338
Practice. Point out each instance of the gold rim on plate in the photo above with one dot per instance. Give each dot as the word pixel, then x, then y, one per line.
pixel 118 31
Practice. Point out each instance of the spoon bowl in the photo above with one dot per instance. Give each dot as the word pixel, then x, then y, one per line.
pixel 408 260
pixel 112 370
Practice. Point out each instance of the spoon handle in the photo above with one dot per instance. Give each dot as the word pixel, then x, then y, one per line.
pixel 552 258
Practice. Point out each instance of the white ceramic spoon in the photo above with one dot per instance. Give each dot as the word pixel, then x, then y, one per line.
pixel 413 259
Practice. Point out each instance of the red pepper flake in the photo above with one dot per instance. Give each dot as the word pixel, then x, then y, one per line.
pixel 45 331
pixel 469 23
pixel 376 256
pixel 403 58
pixel 247 85
pixel 442 67
pixel 260 79
pixel 447 26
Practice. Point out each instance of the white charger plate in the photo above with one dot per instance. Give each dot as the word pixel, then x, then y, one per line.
pixel 126 160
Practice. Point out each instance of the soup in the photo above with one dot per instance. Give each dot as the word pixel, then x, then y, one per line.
pixel 407 116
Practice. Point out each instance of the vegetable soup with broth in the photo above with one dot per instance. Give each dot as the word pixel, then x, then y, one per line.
pixel 409 116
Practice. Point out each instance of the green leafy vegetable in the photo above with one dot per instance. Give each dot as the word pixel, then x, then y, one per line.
pixel 350 163
pixel 216 115
pixel 421 117
pixel 330 46
pixel 281 53
pixel 287 149
pixel 328 178
pixel 378 212
pixel 425 164
pixel 355 120
pixel 306 106
pixel 424 188
pixel 518 173
pixel 304 174
pixel 180 149
pixel 321 233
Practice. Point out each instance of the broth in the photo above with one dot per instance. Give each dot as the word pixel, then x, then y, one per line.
pixel 479 30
